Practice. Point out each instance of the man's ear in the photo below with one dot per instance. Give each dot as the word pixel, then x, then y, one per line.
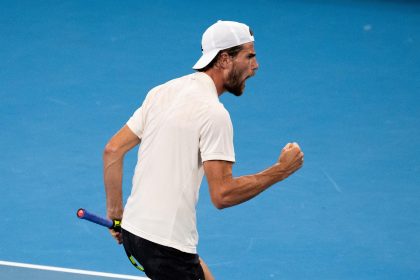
pixel 224 60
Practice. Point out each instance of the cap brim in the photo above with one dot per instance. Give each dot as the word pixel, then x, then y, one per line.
pixel 205 59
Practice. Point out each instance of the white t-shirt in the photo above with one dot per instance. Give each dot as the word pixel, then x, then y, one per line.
pixel 181 124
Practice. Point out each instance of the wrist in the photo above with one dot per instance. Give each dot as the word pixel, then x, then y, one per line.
pixel 115 214
pixel 281 171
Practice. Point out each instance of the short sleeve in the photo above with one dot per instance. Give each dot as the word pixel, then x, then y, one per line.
pixel 216 137
pixel 136 122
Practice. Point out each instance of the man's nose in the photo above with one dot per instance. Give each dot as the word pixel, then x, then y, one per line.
pixel 255 65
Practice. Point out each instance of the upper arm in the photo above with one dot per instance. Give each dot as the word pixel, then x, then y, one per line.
pixel 123 141
pixel 219 176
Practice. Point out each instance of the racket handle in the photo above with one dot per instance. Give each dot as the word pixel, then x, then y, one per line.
pixel 111 224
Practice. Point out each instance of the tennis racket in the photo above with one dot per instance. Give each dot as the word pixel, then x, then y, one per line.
pixel 111 224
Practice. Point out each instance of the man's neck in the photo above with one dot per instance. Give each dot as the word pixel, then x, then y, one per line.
pixel 217 77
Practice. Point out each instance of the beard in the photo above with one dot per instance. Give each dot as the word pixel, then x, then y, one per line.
pixel 234 84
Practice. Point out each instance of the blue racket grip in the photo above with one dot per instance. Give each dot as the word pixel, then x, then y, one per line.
pixel 111 224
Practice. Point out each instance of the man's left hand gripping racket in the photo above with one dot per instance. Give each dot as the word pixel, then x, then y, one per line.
pixel 111 224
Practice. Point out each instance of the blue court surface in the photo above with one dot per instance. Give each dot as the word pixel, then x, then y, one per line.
pixel 341 78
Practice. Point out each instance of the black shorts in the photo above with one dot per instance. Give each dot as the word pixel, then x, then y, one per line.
pixel 161 262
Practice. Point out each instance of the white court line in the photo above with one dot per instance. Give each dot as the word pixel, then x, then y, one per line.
pixel 334 183
pixel 75 271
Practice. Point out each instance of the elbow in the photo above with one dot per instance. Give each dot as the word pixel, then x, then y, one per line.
pixel 219 205
pixel 221 200
pixel 111 151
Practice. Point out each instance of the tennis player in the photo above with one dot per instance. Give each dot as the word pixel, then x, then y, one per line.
pixel 185 132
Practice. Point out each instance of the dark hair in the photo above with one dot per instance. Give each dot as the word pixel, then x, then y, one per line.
pixel 233 52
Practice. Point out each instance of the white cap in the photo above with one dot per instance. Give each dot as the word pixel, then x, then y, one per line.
pixel 220 36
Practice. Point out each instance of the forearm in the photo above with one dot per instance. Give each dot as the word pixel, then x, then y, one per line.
pixel 226 190
pixel 113 159
pixel 113 174
pixel 236 190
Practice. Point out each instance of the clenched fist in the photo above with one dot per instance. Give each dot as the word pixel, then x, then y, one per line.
pixel 291 158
